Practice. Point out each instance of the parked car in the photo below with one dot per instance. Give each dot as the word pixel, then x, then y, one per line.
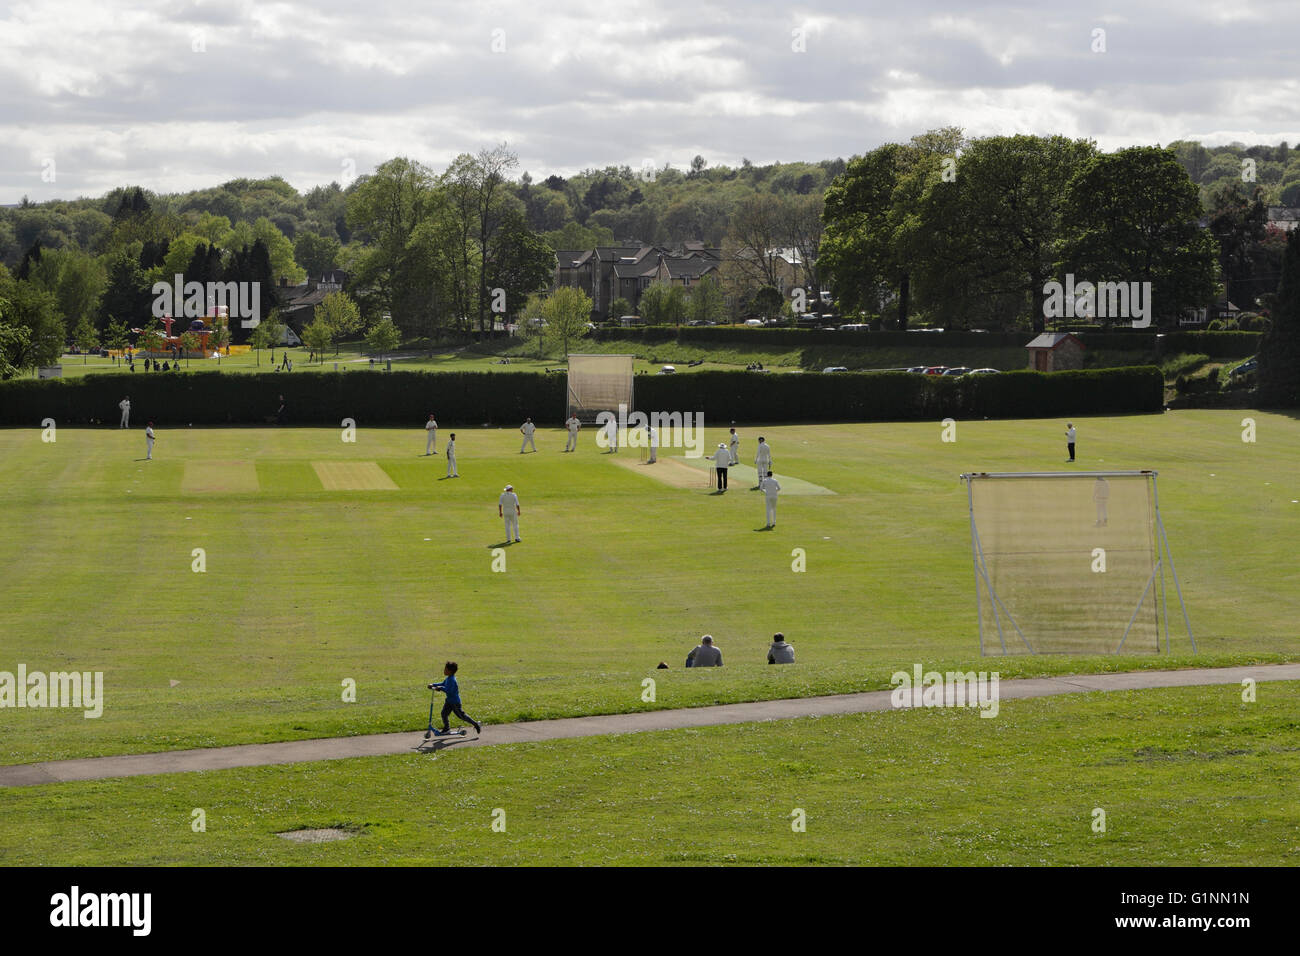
pixel 983 371
pixel 919 369
pixel 835 368
pixel 668 370
pixel 754 323
pixel 936 370
pixel 1244 369
pixel 855 327
pixel 959 370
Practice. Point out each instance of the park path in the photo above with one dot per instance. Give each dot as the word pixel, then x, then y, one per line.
pixel 375 745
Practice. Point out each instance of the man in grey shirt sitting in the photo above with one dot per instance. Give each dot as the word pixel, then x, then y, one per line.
pixel 704 654
pixel 780 652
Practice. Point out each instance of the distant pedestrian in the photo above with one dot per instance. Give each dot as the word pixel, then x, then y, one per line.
pixel 148 442
pixel 451 457
pixel 125 405
pixel 768 485
pixel 527 429
pixel 1070 433
pixel 508 508
pixel 431 443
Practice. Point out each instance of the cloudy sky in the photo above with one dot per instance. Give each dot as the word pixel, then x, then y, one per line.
pixel 179 94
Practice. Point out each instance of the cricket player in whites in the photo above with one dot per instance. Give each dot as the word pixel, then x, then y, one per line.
pixel 762 460
pixel 611 434
pixel 431 444
pixel 125 405
pixel 768 485
pixel 148 440
pixel 508 508
pixel 571 426
pixel 735 447
pixel 652 434
pixel 527 429
pixel 451 457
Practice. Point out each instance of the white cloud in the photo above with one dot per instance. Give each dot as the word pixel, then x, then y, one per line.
pixel 116 93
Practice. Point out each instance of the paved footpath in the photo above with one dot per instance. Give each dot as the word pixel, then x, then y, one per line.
pixel 376 745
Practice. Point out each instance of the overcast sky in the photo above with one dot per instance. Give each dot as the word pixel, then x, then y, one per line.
pixel 180 94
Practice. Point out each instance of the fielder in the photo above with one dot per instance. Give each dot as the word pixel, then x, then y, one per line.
pixel 762 460
pixel 1070 433
pixel 735 447
pixel 611 434
pixel 1101 495
pixel 431 443
pixel 125 405
pixel 527 429
pixel 572 425
pixel 770 490
pixel 451 457
pixel 508 508
pixel 654 444
pixel 148 440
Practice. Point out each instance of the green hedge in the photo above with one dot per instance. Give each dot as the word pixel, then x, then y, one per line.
pixel 888 396
pixel 501 398
pixel 311 398
pixel 1213 344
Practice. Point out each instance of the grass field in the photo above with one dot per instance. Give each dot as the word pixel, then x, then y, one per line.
pixel 1189 776
pixel 381 578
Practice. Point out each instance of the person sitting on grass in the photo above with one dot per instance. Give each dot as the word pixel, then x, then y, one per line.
pixel 704 654
pixel 780 652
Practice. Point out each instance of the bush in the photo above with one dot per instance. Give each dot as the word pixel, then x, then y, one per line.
pixel 506 398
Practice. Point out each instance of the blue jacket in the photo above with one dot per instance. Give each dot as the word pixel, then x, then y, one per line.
pixel 450 688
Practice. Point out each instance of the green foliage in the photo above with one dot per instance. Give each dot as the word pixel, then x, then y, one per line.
pixel 85 337
pixel 663 304
pixel 1133 218
pixel 316 254
pixel 34 312
pixel 339 314
pixel 384 337
pixel 318 335
pixel 1279 352
pixel 567 311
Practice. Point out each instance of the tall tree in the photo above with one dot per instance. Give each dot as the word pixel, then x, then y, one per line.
pixel 1134 218
pixel 567 311
pixel 992 228
pixel 479 199
pixel 870 211
pixel 1279 350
